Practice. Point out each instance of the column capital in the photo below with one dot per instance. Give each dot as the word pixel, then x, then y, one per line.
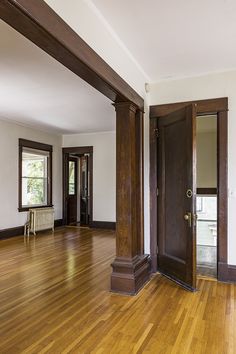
pixel 125 105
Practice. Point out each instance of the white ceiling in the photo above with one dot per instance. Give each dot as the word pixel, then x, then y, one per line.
pixel 169 39
pixel 37 91
pixel 172 39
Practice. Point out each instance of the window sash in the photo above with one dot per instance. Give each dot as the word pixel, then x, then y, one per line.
pixel 43 190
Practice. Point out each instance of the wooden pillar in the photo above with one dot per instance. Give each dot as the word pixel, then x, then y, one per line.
pixel 131 266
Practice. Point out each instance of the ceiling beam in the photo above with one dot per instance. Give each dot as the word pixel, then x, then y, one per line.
pixel 38 22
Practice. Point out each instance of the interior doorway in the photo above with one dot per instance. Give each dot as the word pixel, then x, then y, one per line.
pixel 179 204
pixel 78 186
pixel 206 201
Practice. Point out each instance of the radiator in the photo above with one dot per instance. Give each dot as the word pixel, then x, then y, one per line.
pixel 40 219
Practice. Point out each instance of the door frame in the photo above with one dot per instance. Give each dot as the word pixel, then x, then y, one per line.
pixel 218 106
pixel 65 154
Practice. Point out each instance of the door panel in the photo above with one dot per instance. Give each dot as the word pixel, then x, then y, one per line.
pixel 72 190
pixel 176 211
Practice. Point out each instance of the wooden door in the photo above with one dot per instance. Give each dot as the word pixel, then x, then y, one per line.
pixel 72 190
pixel 176 251
pixel 84 190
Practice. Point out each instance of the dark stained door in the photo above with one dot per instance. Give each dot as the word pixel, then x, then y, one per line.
pixel 176 251
pixel 84 190
pixel 72 190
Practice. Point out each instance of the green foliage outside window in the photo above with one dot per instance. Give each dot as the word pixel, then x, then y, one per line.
pixel 35 180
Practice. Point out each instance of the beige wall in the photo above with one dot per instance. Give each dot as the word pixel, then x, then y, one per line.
pixel 206 160
pixel 9 136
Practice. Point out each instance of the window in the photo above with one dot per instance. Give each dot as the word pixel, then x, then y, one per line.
pixel 35 175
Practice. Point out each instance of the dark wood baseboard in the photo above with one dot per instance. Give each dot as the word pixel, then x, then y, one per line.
pixel 130 275
pixel 226 272
pixel 12 232
pixel 19 231
pixel 103 225
pixel 58 223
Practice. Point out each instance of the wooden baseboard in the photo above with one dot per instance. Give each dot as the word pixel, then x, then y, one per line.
pixel 58 223
pixel 103 225
pixel 226 272
pixel 12 232
pixel 19 231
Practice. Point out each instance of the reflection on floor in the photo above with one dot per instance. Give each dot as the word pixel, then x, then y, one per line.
pixel 207 261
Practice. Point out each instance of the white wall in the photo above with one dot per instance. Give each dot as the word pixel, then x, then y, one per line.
pixel 9 135
pixel 203 87
pixel 206 160
pixel 104 171
pixel 80 14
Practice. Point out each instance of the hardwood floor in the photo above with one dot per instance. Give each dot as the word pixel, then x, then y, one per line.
pixel 54 298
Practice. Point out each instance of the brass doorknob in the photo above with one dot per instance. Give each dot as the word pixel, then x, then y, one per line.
pixel 188 217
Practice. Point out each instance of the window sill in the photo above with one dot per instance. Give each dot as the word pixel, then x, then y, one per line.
pixel 23 209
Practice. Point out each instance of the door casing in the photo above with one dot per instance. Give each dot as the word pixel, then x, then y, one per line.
pixel 218 106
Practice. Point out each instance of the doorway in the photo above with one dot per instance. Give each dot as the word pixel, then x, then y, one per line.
pixel 206 200
pixel 78 186
pixel 175 198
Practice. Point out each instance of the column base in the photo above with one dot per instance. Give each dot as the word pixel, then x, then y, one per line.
pixel 130 274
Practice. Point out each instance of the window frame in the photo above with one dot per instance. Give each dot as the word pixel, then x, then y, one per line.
pixel 23 143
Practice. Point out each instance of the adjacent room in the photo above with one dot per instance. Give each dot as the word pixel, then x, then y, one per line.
pixel 207 196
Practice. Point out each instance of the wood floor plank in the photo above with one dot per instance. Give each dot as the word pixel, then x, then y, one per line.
pixel 55 298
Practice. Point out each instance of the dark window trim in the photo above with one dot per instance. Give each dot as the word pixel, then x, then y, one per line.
pixel 37 146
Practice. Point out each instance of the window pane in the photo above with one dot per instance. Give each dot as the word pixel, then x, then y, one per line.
pixel 71 172
pixel 71 177
pixel 34 165
pixel 34 191
pixel 71 188
pixel 207 221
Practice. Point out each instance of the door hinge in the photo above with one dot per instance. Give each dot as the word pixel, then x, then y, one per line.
pixel 156 130
pixel 157 192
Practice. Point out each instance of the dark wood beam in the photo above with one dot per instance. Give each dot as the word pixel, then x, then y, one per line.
pixel 40 24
